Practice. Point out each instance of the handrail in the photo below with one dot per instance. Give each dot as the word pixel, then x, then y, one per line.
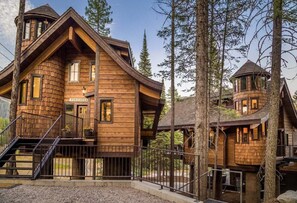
pixel 33 114
pixel 10 124
pixel 47 132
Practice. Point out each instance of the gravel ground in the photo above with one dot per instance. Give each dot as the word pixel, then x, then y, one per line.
pixel 42 194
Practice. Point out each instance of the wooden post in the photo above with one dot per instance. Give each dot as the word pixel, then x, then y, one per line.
pixel 96 91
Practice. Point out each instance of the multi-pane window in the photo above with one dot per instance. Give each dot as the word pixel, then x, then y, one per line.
pixel 40 28
pixel 36 87
pixel 74 72
pixel 243 85
pixel 23 92
pixel 236 85
pixel 92 71
pixel 26 32
pixel 254 103
pixel 106 110
pixel 253 82
pixel 244 107
pixel 245 135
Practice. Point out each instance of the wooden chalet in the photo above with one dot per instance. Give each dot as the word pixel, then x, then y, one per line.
pixel 69 71
pixel 243 127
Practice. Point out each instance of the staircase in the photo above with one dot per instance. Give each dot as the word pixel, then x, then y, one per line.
pixel 35 138
pixel 18 159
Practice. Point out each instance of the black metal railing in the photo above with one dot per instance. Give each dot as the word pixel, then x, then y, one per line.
pixel 72 126
pixel 44 148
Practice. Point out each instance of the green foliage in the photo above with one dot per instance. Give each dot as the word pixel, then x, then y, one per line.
pixel 98 16
pixel 144 65
pixel 3 123
pixel 230 113
pixel 162 140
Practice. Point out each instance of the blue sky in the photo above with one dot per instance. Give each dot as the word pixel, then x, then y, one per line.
pixel 130 19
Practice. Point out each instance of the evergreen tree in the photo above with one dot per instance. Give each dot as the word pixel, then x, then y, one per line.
pixel 144 65
pixel 98 16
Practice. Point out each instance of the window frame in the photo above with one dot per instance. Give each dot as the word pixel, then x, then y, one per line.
pixel 251 100
pixel 236 85
pixel 254 82
pixel 241 83
pixel 69 71
pixel 40 87
pixel 111 111
pixel 90 71
pixel 236 105
pixel 25 28
pixel 20 92
pixel 43 25
pixel 259 133
pixel 238 135
pixel 243 134
pixel 247 106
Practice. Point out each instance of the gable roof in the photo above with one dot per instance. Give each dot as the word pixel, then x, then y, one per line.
pixel 185 113
pixel 250 68
pixel 69 18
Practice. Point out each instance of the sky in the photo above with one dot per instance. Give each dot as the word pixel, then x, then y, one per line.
pixel 130 19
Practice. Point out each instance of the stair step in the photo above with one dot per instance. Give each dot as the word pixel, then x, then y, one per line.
pixel 15 176
pixel 19 154
pixel 18 161
pixel 17 168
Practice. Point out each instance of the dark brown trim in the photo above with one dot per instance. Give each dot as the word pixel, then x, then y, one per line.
pixel 111 99
pixel 96 91
pixel 26 93
pixel 137 114
pixel 40 88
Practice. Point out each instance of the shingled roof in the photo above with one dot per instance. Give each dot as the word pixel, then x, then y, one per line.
pixel 42 11
pixel 250 68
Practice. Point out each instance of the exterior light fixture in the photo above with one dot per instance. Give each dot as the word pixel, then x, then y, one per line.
pixel 84 90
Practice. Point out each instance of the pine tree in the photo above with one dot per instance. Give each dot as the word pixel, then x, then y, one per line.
pixel 98 16
pixel 144 65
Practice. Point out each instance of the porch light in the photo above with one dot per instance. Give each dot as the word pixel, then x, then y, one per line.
pixel 84 90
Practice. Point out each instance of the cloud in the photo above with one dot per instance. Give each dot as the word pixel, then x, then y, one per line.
pixel 9 10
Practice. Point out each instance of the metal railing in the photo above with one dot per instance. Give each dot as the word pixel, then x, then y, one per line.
pixel 72 126
pixel 44 148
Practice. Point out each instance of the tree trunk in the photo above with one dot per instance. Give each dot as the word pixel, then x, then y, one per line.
pixel 271 143
pixel 201 131
pixel 16 76
pixel 172 94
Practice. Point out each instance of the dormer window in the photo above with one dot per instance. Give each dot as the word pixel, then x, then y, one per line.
pixel 40 28
pixel 26 32
pixel 243 85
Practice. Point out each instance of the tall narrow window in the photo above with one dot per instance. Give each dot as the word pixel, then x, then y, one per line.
pixel 236 85
pixel 26 33
pixel 23 92
pixel 92 71
pixel 36 87
pixel 244 107
pixel 254 82
pixel 254 103
pixel 74 72
pixel 40 28
pixel 106 110
pixel 245 135
pixel 243 84
pixel 237 135
pixel 256 133
pixel 236 105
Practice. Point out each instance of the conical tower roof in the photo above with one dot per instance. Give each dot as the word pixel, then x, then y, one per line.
pixel 44 11
pixel 250 68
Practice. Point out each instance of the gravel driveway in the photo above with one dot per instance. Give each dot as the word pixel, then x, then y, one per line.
pixel 45 194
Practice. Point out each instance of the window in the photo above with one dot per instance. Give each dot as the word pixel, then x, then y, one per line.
pixel 74 72
pixel 92 71
pixel 237 135
pixel 243 84
pixel 244 107
pixel 106 110
pixel 253 82
pixel 36 87
pixel 236 85
pixel 40 28
pixel 263 127
pixel 254 103
pixel 245 135
pixel 26 32
pixel 263 82
pixel 255 133
pixel 23 92
pixel 69 109
pixel 236 105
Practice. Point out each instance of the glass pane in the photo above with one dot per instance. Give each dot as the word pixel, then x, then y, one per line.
pixel 23 93
pixel 36 87
pixel 243 83
pixel 244 106
pixel 69 109
pixel 93 72
pixel 74 72
pixel 237 135
pixel 255 133
pixel 27 30
pixel 254 103
pixel 105 114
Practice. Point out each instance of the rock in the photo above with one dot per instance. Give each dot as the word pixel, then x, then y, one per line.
pixel 289 196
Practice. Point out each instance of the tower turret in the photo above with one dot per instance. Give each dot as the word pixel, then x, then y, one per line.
pixel 250 88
